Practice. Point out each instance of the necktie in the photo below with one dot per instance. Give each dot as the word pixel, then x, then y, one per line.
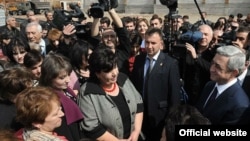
pixel 149 69
pixel 213 96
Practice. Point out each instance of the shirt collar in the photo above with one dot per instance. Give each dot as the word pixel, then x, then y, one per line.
pixel 223 87
pixel 42 43
pixel 155 56
pixel 242 76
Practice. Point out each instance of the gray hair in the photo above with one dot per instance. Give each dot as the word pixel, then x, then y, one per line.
pixel 36 24
pixel 203 26
pixel 30 11
pixel 236 57
pixel 9 18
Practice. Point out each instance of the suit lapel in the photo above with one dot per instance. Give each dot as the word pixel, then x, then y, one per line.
pixel 208 89
pixel 223 98
pixel 141 63
pixel 246 82
pixel 159 63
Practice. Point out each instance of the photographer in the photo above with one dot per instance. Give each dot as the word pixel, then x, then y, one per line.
pixel 197 64
pixel 117 39
pixel 69 30
pixel 49 20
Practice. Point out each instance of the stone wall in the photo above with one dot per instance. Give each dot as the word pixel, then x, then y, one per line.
pixel 218 7
pixel 214 7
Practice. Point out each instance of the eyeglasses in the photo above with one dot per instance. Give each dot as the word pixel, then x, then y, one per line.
pixel 109 36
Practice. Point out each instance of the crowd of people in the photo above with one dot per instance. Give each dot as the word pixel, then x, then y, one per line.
pixel 124 78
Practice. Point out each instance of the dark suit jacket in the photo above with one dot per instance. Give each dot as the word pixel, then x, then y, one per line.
pixel 245 118
pixel 197 74
pixel 246 83
pixel 163 87
pixel 227 108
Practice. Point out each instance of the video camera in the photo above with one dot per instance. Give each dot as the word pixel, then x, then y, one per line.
pixel 97 9
pixel 63 18
pixel 191 37
pixel 171 4
pixel 227 38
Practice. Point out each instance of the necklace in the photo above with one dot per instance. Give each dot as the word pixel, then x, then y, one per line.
pixel 110 90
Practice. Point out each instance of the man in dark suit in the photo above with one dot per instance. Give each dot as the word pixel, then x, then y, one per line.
pixel 158 81
pixel 244 119
pixel 10 27
pixel 230 100
pixel 244 77
pixel 49 20
pixel 246 82
pixel 243 41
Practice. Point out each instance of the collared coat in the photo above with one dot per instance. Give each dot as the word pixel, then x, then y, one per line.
pixel 101 113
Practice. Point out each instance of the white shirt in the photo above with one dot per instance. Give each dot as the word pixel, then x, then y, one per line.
pixel 221 88
pixel 143 43
pixel 146 65
pixel 242 76
pixel 43 47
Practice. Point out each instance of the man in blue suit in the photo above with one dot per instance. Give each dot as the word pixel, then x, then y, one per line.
pixel 230 100
pixel 156 76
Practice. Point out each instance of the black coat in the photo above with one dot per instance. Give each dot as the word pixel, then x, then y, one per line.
pixel 163 91
pixel 246 83
pixel 197 74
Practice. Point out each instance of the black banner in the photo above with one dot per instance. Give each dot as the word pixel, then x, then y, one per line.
pixel 197 132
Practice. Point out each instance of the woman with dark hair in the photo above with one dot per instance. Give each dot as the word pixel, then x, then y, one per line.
pixel 221 24
pixel 112 107
pixel 40 112
pixel 5 38
pixel 33 61
pixel 79 56
pixel 182 115
pixel 12 82
pixel 55 73
pixel 16 51
pixel 58 45
pixel 135 50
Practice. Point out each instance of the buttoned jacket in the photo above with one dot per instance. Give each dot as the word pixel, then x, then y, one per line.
pixel 100 110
